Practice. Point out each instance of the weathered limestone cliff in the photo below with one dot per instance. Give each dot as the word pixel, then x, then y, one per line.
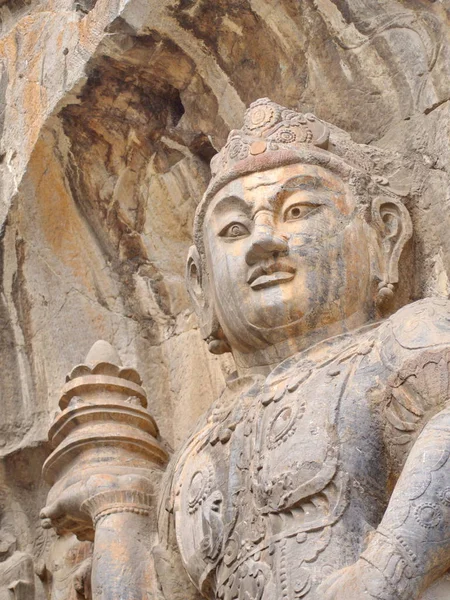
pixel 109 113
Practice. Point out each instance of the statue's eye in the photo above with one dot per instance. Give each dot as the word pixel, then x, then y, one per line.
pixel 298 211
pixel 234 230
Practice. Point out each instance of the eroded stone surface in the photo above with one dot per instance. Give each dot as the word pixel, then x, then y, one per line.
pixel 109 114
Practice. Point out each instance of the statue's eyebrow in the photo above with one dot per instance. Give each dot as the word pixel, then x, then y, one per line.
pixel 305 182
pixel 300 182
pixel 232 201
pixel 259 184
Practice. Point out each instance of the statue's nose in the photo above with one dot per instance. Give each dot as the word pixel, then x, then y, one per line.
pixel 265 243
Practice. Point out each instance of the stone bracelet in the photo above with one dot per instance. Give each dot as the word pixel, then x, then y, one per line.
pixel 117 501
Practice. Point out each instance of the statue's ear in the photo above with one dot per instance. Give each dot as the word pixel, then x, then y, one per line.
pixel 394 227
pixel 194 281
pixel 199 290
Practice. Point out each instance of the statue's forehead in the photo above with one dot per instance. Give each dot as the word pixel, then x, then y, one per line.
pixel 265 184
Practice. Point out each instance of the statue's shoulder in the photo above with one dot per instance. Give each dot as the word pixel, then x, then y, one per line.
pixel 413 331
pixel 416 351
pixel 422 324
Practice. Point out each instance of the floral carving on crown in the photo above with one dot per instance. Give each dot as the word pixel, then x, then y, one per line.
pixel 269 127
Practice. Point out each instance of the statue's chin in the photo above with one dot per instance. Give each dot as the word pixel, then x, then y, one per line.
pixel 258 335
pixel 273 310
pixel 293 315
pixel 259 332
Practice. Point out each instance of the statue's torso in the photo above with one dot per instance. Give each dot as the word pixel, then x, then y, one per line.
pixel 286 478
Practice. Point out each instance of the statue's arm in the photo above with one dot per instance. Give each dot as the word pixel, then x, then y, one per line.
pixel 117 512
pixel 133 555
pixel 411 547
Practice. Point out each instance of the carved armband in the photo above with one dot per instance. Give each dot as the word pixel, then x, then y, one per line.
pixel 117 501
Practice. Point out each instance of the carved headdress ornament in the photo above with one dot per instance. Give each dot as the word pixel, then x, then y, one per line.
pixel 274 136
pixel 268 128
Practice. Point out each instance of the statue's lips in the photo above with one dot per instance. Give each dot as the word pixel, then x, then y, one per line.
pixel 263 277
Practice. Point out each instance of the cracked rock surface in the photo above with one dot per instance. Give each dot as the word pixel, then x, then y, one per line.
pixel 110 111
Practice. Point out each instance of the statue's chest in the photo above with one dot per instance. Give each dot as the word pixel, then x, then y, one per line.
pixel 272 452
pixel 295 438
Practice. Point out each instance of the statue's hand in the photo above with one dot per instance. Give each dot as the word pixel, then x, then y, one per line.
pixel 359 581
pixel 64 511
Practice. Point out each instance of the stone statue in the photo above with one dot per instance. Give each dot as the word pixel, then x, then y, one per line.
pixel 322 471
pixel 16 570
pixel 67 562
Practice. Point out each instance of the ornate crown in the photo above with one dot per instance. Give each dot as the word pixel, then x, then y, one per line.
pixel 269 127
pixel 273 135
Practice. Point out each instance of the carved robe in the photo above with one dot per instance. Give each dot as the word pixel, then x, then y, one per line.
pixel 284 479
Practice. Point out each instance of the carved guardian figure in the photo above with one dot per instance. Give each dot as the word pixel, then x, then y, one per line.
pixel 322 471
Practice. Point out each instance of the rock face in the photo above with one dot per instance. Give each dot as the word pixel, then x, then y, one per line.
pixel 109 114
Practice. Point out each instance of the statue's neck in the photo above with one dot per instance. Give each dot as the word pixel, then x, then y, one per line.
pixel 263 361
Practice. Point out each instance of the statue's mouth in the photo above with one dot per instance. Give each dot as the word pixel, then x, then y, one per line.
pixel 262 277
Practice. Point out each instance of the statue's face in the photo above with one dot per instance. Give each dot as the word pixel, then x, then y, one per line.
pixel 287 252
